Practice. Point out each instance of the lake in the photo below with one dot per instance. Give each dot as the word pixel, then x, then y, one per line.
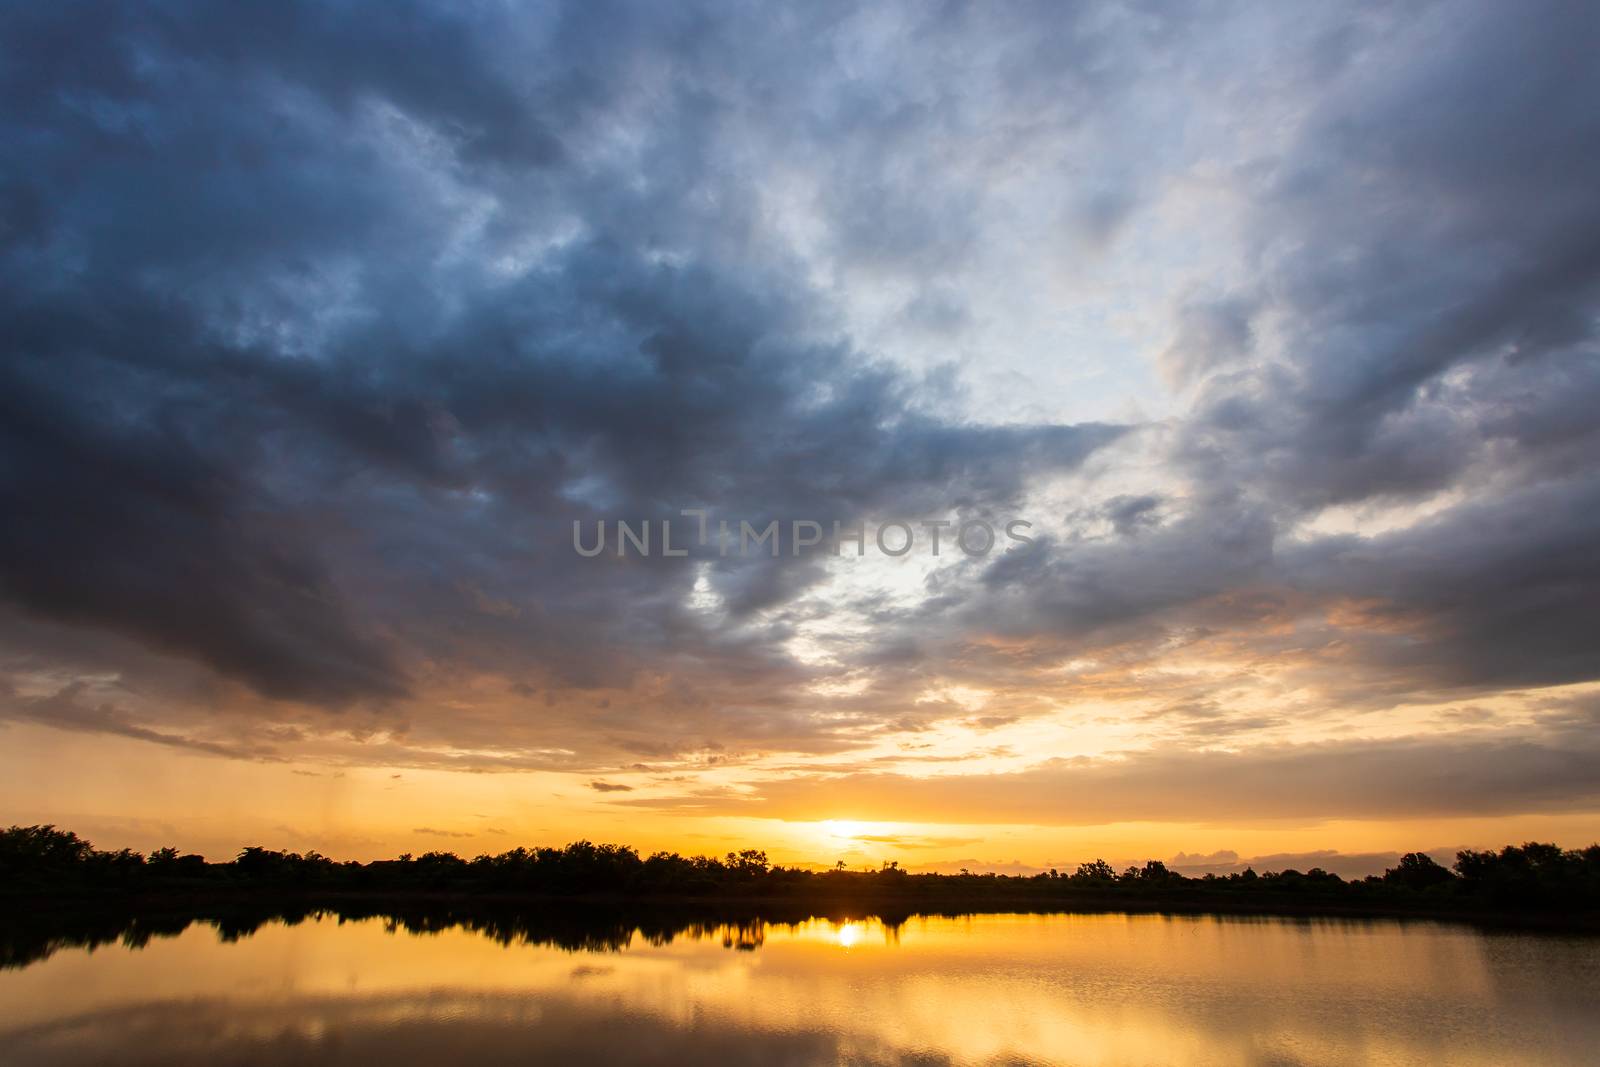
pixel 1060 989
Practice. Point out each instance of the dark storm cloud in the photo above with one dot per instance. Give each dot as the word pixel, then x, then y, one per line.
pixel 249 421
pixel 322 323
pixel 142 526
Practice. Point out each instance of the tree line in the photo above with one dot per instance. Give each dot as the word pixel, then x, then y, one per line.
pixel 43 860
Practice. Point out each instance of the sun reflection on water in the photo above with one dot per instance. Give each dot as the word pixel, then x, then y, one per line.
pixel 1107 990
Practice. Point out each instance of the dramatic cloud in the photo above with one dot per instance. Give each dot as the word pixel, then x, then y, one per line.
pixel 323 325
pixel 1410 778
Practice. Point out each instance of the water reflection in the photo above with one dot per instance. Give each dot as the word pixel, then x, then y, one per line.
pixel 471 986
pixel 30 939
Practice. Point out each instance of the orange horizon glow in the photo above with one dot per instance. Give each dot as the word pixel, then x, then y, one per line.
pixel 216 806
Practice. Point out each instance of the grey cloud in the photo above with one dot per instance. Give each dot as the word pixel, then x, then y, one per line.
pixel 1413 777
pixel 1079 587
pixel 1429 219
pixel 1417 317
pixel 1130 513
pixel 64 710
pixel 258 402
pixel 1495 593
pixel 1211 335
pixel 321 328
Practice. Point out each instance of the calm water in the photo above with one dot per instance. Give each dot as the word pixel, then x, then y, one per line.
pixel 1068 989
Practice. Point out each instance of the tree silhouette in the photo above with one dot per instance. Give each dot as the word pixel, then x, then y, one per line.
pixel 1417 870
pixel 39 861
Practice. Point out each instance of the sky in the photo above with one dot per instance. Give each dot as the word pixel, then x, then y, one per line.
pixel 1278 324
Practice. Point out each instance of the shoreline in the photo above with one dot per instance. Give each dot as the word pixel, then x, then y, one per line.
pixel 889 907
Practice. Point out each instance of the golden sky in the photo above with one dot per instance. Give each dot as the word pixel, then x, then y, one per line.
pixel 1244 361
